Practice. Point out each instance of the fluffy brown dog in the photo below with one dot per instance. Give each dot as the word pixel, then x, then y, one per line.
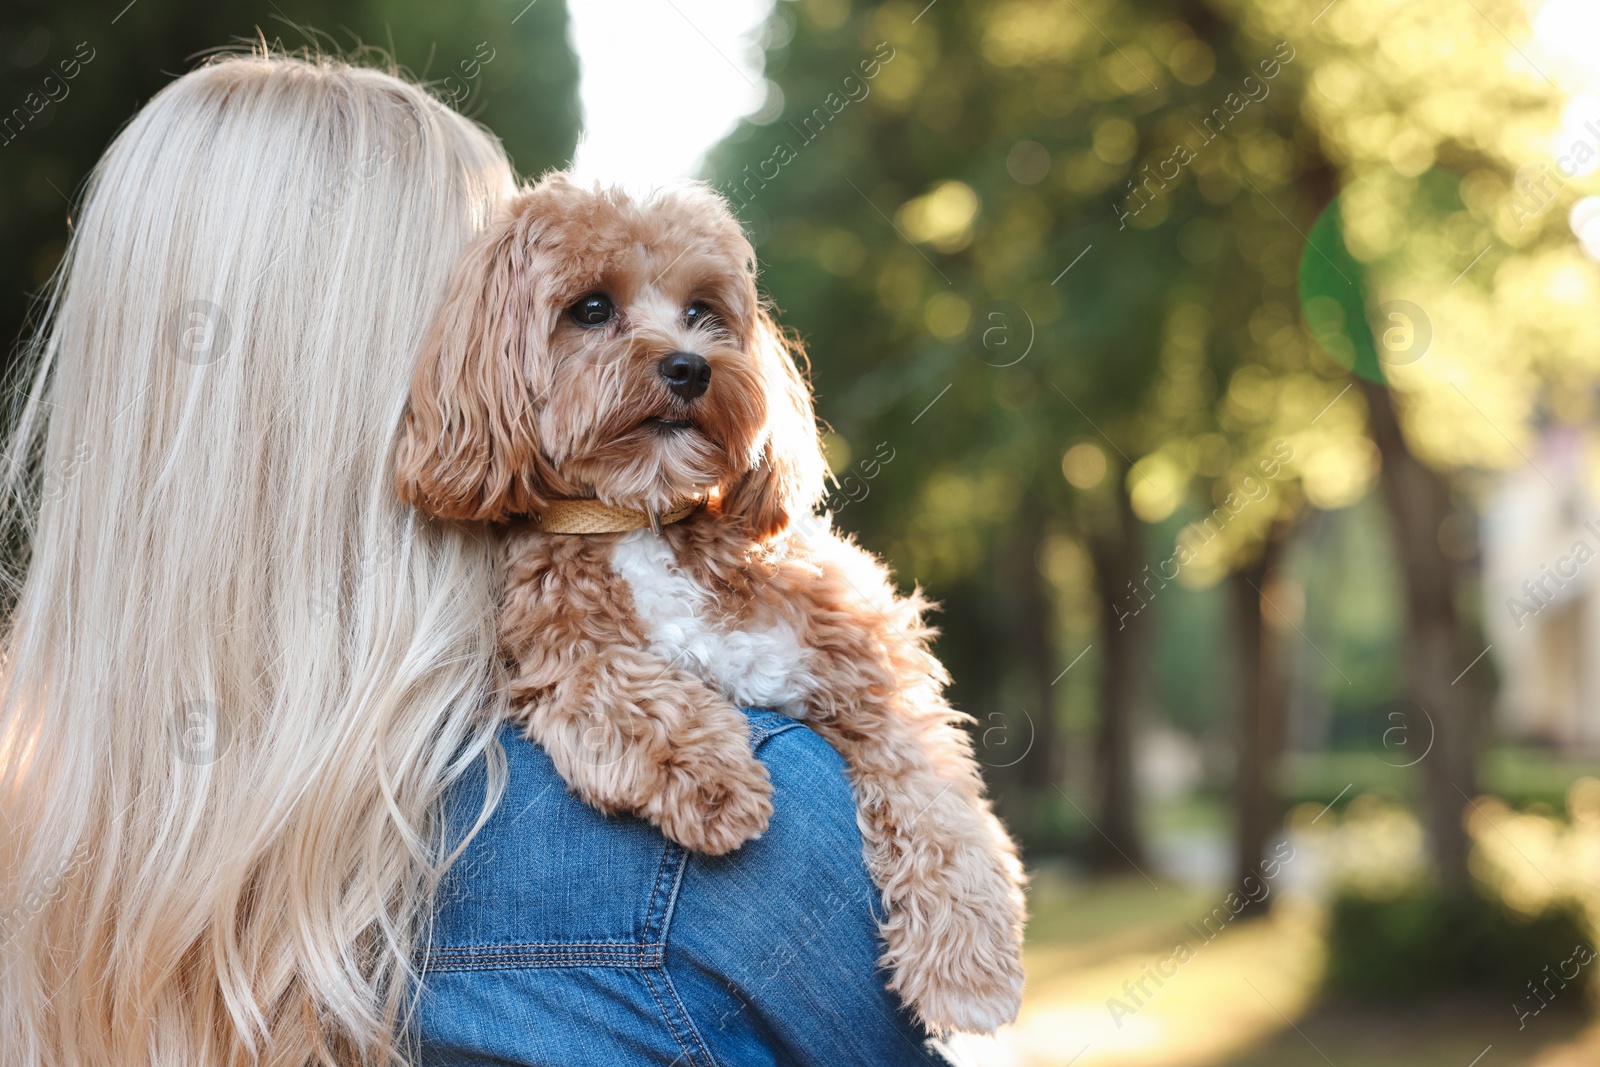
pixel 603 365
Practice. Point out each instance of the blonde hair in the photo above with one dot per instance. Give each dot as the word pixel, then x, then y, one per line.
pixel 238 674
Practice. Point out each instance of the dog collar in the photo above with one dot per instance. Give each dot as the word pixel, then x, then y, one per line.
pixel 584 515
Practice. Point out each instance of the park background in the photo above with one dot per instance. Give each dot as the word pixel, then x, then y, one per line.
pixel 1227 371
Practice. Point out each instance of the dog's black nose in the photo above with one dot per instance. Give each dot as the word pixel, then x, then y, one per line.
pixel 687 374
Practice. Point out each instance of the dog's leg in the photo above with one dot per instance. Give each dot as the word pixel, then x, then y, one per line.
pixel 949 873
pixel 632 734
pixel 628 731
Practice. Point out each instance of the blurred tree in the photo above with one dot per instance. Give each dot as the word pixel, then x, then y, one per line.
pixel 1116 545
pixel 1458 149
pixel 1333 285
pixel 929 332
pixel 71 73
pixel 979 216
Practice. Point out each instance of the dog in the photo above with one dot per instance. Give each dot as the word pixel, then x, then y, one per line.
pixel 606 387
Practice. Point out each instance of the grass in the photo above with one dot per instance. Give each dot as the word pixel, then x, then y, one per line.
pixel 1453 1033
pixel 1248 997
pixel 1131 909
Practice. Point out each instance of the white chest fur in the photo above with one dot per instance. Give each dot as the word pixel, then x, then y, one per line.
pixel 765 668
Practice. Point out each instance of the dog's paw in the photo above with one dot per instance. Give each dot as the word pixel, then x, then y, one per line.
pixel 963 974
pixel 954 937
pixel 715 802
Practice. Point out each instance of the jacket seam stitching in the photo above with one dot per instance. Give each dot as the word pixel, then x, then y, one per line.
pixel 509 957
pixel 553 946
pixel 545 965
pixel 762 732
pixel 667 853
pixel 688 1016
pixel 668 912
pixel 672 1026
pixel 671 906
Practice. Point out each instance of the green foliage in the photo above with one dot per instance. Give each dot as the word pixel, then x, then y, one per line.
pixel 1333 298
pixel 1419 944
pixel 947 187
pixel 519 78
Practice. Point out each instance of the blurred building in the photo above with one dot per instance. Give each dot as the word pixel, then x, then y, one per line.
pixel 1541 583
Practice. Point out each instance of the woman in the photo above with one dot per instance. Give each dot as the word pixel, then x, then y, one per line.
pixel 248 710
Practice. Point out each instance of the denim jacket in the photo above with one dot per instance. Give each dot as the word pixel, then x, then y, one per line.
pixel 567 938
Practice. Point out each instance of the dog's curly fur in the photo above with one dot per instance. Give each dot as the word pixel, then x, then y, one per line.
pixel 629 654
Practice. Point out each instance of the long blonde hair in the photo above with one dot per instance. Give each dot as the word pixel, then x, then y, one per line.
pixel 238 675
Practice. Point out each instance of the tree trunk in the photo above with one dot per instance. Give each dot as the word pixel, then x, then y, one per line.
pixel 1031 745
pixel 1419 501
pixel 1117 548
pixel 1018 742
pixel 1263 711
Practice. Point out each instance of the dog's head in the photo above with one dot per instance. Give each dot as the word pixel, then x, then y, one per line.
pixel 595 345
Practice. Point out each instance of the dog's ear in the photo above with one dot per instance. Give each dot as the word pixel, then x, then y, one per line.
pixel 787 479
pixel 470 449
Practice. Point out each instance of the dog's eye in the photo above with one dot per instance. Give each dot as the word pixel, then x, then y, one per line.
pixel 698 312
pixel 593 310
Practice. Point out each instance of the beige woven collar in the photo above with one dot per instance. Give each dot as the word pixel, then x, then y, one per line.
pixel 586 516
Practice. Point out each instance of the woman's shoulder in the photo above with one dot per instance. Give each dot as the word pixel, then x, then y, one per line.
pixel 772 946
pixel 542 847
pixel 778 940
